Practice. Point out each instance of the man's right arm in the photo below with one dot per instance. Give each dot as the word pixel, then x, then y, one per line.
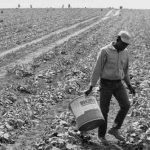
pixel 97 70
pixel 98 67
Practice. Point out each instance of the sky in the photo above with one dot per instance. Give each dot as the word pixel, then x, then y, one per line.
pixel 135 4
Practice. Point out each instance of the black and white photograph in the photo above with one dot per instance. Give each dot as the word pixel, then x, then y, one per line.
pixel 74 75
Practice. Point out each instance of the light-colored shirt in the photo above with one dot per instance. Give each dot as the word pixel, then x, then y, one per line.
pixel 111 64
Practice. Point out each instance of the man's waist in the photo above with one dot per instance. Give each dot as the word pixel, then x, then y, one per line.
pixel 113 76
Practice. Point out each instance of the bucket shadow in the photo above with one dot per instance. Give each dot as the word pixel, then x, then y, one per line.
pixel 100 146
pixel 95 146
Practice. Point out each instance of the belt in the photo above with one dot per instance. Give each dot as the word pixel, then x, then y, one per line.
pixel 107 80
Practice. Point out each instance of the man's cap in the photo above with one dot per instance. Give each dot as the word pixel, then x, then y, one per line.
pixel 125 36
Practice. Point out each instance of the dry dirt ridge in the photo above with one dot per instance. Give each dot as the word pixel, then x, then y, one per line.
pixel 28 58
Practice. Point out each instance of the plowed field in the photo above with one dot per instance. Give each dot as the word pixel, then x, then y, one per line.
pixel 46 60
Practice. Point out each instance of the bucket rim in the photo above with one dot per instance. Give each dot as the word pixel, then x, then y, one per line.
pixel 96 119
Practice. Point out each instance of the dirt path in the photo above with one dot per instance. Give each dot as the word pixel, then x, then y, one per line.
pixel 110 13
pixel 29 58
pixel 46 36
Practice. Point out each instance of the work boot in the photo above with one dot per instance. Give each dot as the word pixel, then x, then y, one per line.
pixel 116 134
pixel 103 141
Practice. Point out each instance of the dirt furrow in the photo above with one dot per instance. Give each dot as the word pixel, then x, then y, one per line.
pixel 109 14
pixel 46 36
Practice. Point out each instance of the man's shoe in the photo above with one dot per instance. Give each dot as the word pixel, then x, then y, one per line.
pixel 116 134
pixel 103 141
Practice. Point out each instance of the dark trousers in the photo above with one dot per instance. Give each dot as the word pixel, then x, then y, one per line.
pixel 117 89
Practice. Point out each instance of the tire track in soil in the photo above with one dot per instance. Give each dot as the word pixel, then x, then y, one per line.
pixel 29 58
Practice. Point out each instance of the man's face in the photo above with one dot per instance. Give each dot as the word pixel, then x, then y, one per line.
pixel 121 45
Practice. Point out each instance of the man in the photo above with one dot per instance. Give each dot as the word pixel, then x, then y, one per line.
pixel 111 68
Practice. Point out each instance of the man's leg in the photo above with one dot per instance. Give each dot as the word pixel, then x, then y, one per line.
pixel 105 96
pixel 122 98
pixel 124 103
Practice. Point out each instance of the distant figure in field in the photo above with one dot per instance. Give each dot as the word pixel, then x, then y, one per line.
pixel 112 68
pixel 69 6
pixel 19 5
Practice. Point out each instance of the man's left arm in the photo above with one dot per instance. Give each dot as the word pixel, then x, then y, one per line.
pixel 127 77
pixel 126 74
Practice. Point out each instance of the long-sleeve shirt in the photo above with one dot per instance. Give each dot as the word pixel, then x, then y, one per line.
pixel 111 65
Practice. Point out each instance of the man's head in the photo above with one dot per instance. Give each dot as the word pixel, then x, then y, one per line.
pixel 123 40
pixel 125 36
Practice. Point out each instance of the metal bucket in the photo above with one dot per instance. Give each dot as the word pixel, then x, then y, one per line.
pixel 87 112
